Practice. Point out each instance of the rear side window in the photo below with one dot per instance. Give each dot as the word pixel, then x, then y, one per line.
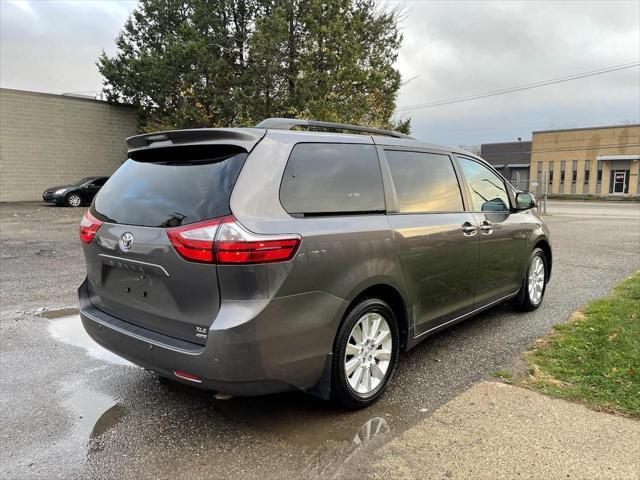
pixel 170 188
pixel 424 182
pixel 328 178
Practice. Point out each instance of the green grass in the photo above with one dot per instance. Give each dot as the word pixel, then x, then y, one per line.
pixel 505 375
pixel 595 358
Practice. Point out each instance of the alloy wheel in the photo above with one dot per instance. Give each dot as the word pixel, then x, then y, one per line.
pixel 368 354
pixel 75 200
pixel 536 280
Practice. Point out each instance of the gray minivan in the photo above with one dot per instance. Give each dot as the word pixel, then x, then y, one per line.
pixel 299 254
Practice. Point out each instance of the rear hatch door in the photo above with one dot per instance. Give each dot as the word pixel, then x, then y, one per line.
pixel 134 273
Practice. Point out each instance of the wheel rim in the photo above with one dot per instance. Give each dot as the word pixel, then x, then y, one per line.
pixel 368 353
pixel 536 280
pixel 74 200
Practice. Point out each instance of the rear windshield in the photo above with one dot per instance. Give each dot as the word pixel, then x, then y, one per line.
pixel 167 190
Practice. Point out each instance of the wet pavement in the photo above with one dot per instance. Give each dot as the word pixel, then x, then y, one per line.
pixel 70 409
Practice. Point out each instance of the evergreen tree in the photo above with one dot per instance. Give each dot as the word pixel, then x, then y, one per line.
pixel 203 63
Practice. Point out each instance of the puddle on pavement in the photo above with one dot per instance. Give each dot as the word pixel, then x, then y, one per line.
pixel 54 314
pixel 330 441
pixel 93 412
pixel 66 326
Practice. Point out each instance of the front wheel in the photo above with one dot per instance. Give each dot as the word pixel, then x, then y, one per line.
pixel 74 200
pixel 365 354
pixel 535 282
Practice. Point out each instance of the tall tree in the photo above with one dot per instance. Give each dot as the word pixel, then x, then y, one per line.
pixel 196 63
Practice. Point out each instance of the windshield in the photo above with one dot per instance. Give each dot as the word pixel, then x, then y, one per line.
pixel 84 180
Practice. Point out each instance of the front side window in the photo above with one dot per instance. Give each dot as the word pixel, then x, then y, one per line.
pixel 488 192
pixel 332 178
pixel 424 182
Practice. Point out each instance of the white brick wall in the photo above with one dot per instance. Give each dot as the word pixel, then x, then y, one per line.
pixel 48 140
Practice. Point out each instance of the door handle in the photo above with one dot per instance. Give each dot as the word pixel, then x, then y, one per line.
pixel 486 227
pixel 468 229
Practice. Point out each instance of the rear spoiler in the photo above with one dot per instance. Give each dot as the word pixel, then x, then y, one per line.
pixel 246 138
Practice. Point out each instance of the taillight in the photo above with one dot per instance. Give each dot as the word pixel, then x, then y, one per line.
pixel 236 245
pixel 225 241
pixel 195 242
pixel 89 225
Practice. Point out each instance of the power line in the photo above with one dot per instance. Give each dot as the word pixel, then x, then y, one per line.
pixel 519 88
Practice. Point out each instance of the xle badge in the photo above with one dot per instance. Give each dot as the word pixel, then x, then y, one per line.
pixel 201 332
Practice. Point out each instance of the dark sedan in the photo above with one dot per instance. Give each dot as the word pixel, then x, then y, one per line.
pixel 76 194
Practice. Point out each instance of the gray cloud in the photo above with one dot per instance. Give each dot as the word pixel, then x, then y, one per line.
pixel 463 48
pixel 453 48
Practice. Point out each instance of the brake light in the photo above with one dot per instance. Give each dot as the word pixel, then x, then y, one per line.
pixel 89 225
pixel 225 241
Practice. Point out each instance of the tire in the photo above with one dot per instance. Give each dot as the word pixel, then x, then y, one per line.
pixel 365 315
pixel 525 300
pixel 74 200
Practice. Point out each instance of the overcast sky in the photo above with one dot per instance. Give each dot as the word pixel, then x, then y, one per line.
pixel 450 50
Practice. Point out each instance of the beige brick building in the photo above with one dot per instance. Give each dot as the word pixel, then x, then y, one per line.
pixel 48 140
pixel 588 161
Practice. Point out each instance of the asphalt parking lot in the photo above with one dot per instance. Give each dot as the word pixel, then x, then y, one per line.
pixel 71 410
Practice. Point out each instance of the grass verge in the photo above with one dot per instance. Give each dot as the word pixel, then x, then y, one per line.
pixel 594 358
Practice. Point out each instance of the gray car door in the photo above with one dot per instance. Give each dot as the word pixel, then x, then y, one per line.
pixel 437 241
pixel 502 233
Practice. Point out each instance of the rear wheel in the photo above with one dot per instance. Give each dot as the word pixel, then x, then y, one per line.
pixel 534 283
pixel 365 354
pixel 74 200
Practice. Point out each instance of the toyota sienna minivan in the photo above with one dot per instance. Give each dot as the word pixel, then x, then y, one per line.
pixel 299 255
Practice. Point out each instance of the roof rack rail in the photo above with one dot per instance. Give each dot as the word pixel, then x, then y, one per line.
pixel 291 123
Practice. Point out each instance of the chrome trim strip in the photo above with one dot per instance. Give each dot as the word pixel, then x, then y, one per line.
pixel 468 314
pixel 135 261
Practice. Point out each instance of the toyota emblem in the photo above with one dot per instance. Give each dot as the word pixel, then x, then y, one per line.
pixel 126 240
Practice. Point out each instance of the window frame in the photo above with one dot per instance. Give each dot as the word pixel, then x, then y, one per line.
pixel 334 214
pixel 391 196
pixel 511 191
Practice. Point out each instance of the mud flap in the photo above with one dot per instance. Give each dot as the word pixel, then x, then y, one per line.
pixel 322 389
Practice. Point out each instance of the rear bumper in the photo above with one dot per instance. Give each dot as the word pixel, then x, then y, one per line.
pixel 254 347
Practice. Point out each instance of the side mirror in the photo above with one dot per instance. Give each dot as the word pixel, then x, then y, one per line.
pixel 525 200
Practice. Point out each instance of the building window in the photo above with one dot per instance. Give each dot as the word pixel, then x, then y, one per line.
pixel 599 182
pixel 551 173
pixel 587 166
